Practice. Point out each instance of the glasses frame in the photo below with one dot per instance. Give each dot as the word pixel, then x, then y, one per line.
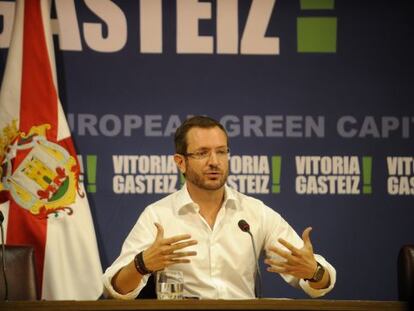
pixel 199 156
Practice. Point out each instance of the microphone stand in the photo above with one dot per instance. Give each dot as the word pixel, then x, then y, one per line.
pixel 245 227
pixel 3 262
pixel 258 278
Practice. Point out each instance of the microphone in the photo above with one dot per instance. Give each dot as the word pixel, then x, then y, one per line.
pixel 6 286
pixel 245 227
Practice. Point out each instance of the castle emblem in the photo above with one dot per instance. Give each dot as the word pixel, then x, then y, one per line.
pixel 45 178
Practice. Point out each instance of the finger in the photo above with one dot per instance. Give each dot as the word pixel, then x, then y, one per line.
pixel 284 267
pixel 281 267
pixel 181 254
pixel 289 246
pixel 182 245
pixel 285 254
pixel 274 262
pixel 177 261
pixel 160 231
pixel 290 260
pixel 306 237
pixel 176 239
pixel 276 269
pixel 280 252
pixel 169 249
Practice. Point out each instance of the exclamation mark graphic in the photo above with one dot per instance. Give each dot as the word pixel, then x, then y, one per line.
pixel 366 175
pixel 81 169
pixel 276 169
pixel 91 173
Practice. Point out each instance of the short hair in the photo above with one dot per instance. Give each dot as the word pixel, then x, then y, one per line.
pixel 180 137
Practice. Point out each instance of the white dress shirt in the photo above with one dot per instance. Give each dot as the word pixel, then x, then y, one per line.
pixel 224 267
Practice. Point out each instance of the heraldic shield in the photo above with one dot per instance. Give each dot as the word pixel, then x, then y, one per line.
pixel 46 180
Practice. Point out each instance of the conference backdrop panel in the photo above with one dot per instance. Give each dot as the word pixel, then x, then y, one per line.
pixel 316 96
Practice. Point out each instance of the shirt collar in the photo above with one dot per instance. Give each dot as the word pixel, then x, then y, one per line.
pixel 183 200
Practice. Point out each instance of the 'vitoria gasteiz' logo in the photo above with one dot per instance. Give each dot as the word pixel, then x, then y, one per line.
pixel 316 34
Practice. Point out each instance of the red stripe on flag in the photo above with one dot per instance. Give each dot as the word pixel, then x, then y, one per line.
pixel 38 97
pixel 38 106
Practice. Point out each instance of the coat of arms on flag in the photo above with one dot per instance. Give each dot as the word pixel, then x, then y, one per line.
pixel 46 180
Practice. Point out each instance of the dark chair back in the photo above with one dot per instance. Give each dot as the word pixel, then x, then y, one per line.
pixel 406 273
pixel 20 272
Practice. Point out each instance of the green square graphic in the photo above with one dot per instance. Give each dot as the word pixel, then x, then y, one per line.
pixel 317 4
pixel 317 34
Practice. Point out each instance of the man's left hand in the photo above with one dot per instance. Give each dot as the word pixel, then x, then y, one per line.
pixel 299 262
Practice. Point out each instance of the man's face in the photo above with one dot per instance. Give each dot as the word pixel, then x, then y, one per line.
pixel 207 165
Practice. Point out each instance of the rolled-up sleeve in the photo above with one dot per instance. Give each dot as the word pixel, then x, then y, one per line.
pixel 140 238
pixel 315 293
pixel 110 292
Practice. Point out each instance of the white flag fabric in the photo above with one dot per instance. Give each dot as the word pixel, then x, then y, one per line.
pixel 41 196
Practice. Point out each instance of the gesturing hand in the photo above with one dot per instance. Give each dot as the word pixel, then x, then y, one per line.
pixel 164 251
pixel 300 263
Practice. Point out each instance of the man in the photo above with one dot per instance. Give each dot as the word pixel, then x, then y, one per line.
pixel 195 230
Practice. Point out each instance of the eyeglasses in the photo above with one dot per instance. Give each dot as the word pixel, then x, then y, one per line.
pixel 221 153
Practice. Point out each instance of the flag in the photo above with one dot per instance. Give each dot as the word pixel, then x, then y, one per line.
pixel 42 197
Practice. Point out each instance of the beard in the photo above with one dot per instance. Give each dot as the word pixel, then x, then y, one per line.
pixel 203 180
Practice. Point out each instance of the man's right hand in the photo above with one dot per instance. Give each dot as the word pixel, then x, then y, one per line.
pixel 165 252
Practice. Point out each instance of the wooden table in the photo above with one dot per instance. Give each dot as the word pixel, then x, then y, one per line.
pixel 254 304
